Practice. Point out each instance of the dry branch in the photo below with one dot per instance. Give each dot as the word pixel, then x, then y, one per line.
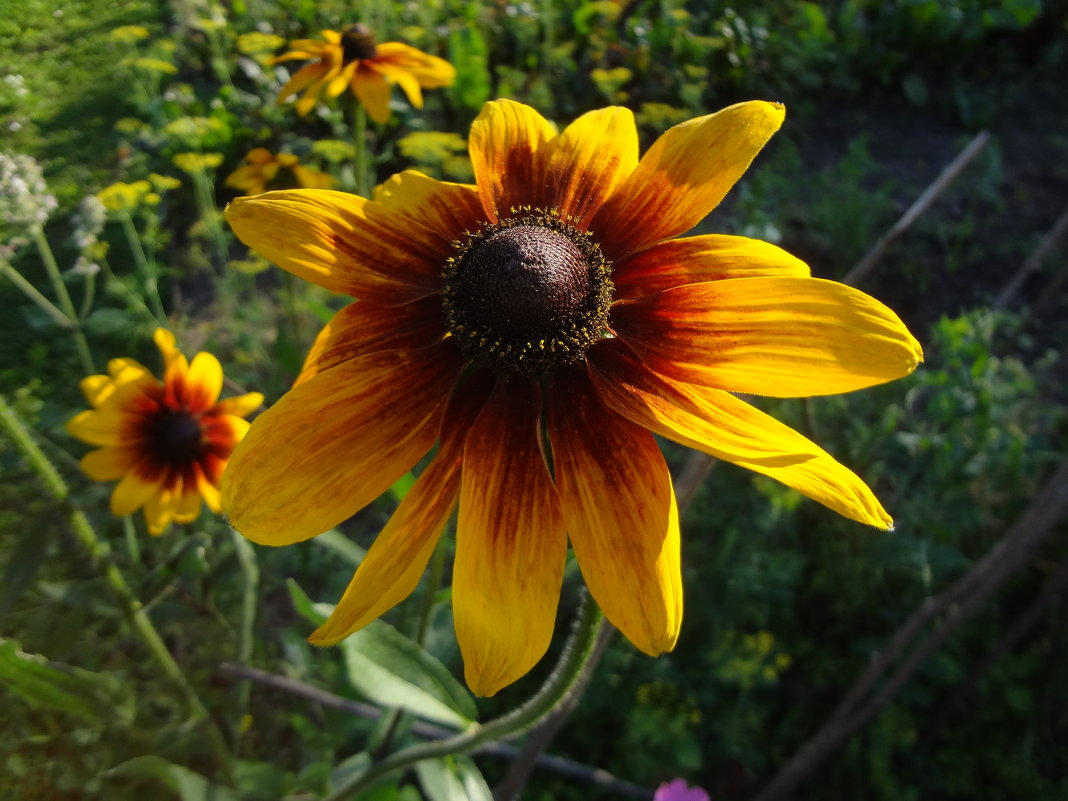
pixel 951 608
pixel 951 172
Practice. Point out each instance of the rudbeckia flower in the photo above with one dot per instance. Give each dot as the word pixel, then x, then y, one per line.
pixel 540 327
pixel 349 58
pixel 261 167
pixel 167 441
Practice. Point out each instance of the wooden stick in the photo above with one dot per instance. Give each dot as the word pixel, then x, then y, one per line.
pixel 863 267
pixel 1033 262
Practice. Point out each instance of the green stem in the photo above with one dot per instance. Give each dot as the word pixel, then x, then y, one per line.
pixel 144 267
pixel 88 297
pixel 569 674
pixel 359 142
pixel 250 571
pixel 30 291
pixel 65 303
pixel 99 554
pixel 129 530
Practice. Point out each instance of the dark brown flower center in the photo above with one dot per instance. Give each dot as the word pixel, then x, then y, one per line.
pixel 174 437
pixel 527 294
pixel 357 42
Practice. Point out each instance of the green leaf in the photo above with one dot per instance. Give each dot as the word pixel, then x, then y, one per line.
pixel 307 608
pixel 393 671
pixel 188 785
pixel 334 540
pixel 53 685
pixel 452 778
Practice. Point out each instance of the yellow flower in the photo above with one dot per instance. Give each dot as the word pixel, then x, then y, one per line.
pixel 191 163
pixel 546 316
pixel 258 42
pixel 167 441
pixel 122 196
pixel 261 168
pixel 128 34
pixel 350 59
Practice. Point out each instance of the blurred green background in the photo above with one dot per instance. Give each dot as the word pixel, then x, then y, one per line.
pixel 786 603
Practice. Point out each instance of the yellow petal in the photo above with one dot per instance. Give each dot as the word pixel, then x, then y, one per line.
pixel 107 464
pixel 442 208
pixel 372 90
pixel 240 405
pixel 203 383
pixel 362 328
pixel 728 428
pixel 408 83
pixel 696 259
pixel 341 81
pixel 395 562
pixel 620 511
pixel 342 242
pixel 188 508
pixel 683 176
pixel 162 506
pixel 208 491
pixel 508 145
pixel 430 71
pixel 335 443
pixel 784 337
pixel 134 491
pixel 96 388
pixel 306 75
pixel 588 162
pixel 103 426
pixel 174 362
pixel 510 542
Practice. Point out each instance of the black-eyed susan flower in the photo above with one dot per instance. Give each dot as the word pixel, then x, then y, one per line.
pixel 262 167
pixel 540 327
pixel 166 441
pixel 350 59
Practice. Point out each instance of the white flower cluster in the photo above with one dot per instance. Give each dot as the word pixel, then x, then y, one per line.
pixel 88 221
pixel 24 198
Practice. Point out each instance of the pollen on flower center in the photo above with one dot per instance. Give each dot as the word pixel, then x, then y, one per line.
pixel 527 294
pixel 174 437
pixel 357 42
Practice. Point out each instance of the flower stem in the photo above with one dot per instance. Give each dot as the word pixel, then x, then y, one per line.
pixel 359 142
pixel 569 675
pixel 99 554
pixel 65 303
pixel 144 267
pixel 250 570
pixel 30 291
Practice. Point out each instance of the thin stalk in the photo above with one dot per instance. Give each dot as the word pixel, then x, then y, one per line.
pixel 359 141
pixel 31 292
pixel 99 554
pixel 133 547
pixel 89 296
pixel 144 267
pixel 65 303
pixel 570 672
pixel 250 572
pixel 209 214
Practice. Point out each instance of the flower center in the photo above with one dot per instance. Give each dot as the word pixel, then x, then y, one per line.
pixel 527 294
pixel 175 437
pixel 357 42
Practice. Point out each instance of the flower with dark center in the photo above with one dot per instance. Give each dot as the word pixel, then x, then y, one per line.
pixel 350 59
pixel 536 330
pixel 167 441
pixel 262 168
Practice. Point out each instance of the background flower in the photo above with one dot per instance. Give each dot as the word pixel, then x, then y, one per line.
pixel 166 441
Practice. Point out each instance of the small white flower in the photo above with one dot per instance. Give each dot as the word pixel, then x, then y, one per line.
pixel 24 197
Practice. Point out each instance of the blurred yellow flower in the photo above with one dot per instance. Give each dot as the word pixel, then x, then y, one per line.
pixel 257 42
pixel 191 163
pixel 262 167
pixel 128 34
pixel 163 183
pixel 121 196
pixel 168 441
pixel 152 65
pixel 349 58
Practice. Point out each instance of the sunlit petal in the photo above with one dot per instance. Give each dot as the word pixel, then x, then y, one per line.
pixel 620 511
pixel 784 337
